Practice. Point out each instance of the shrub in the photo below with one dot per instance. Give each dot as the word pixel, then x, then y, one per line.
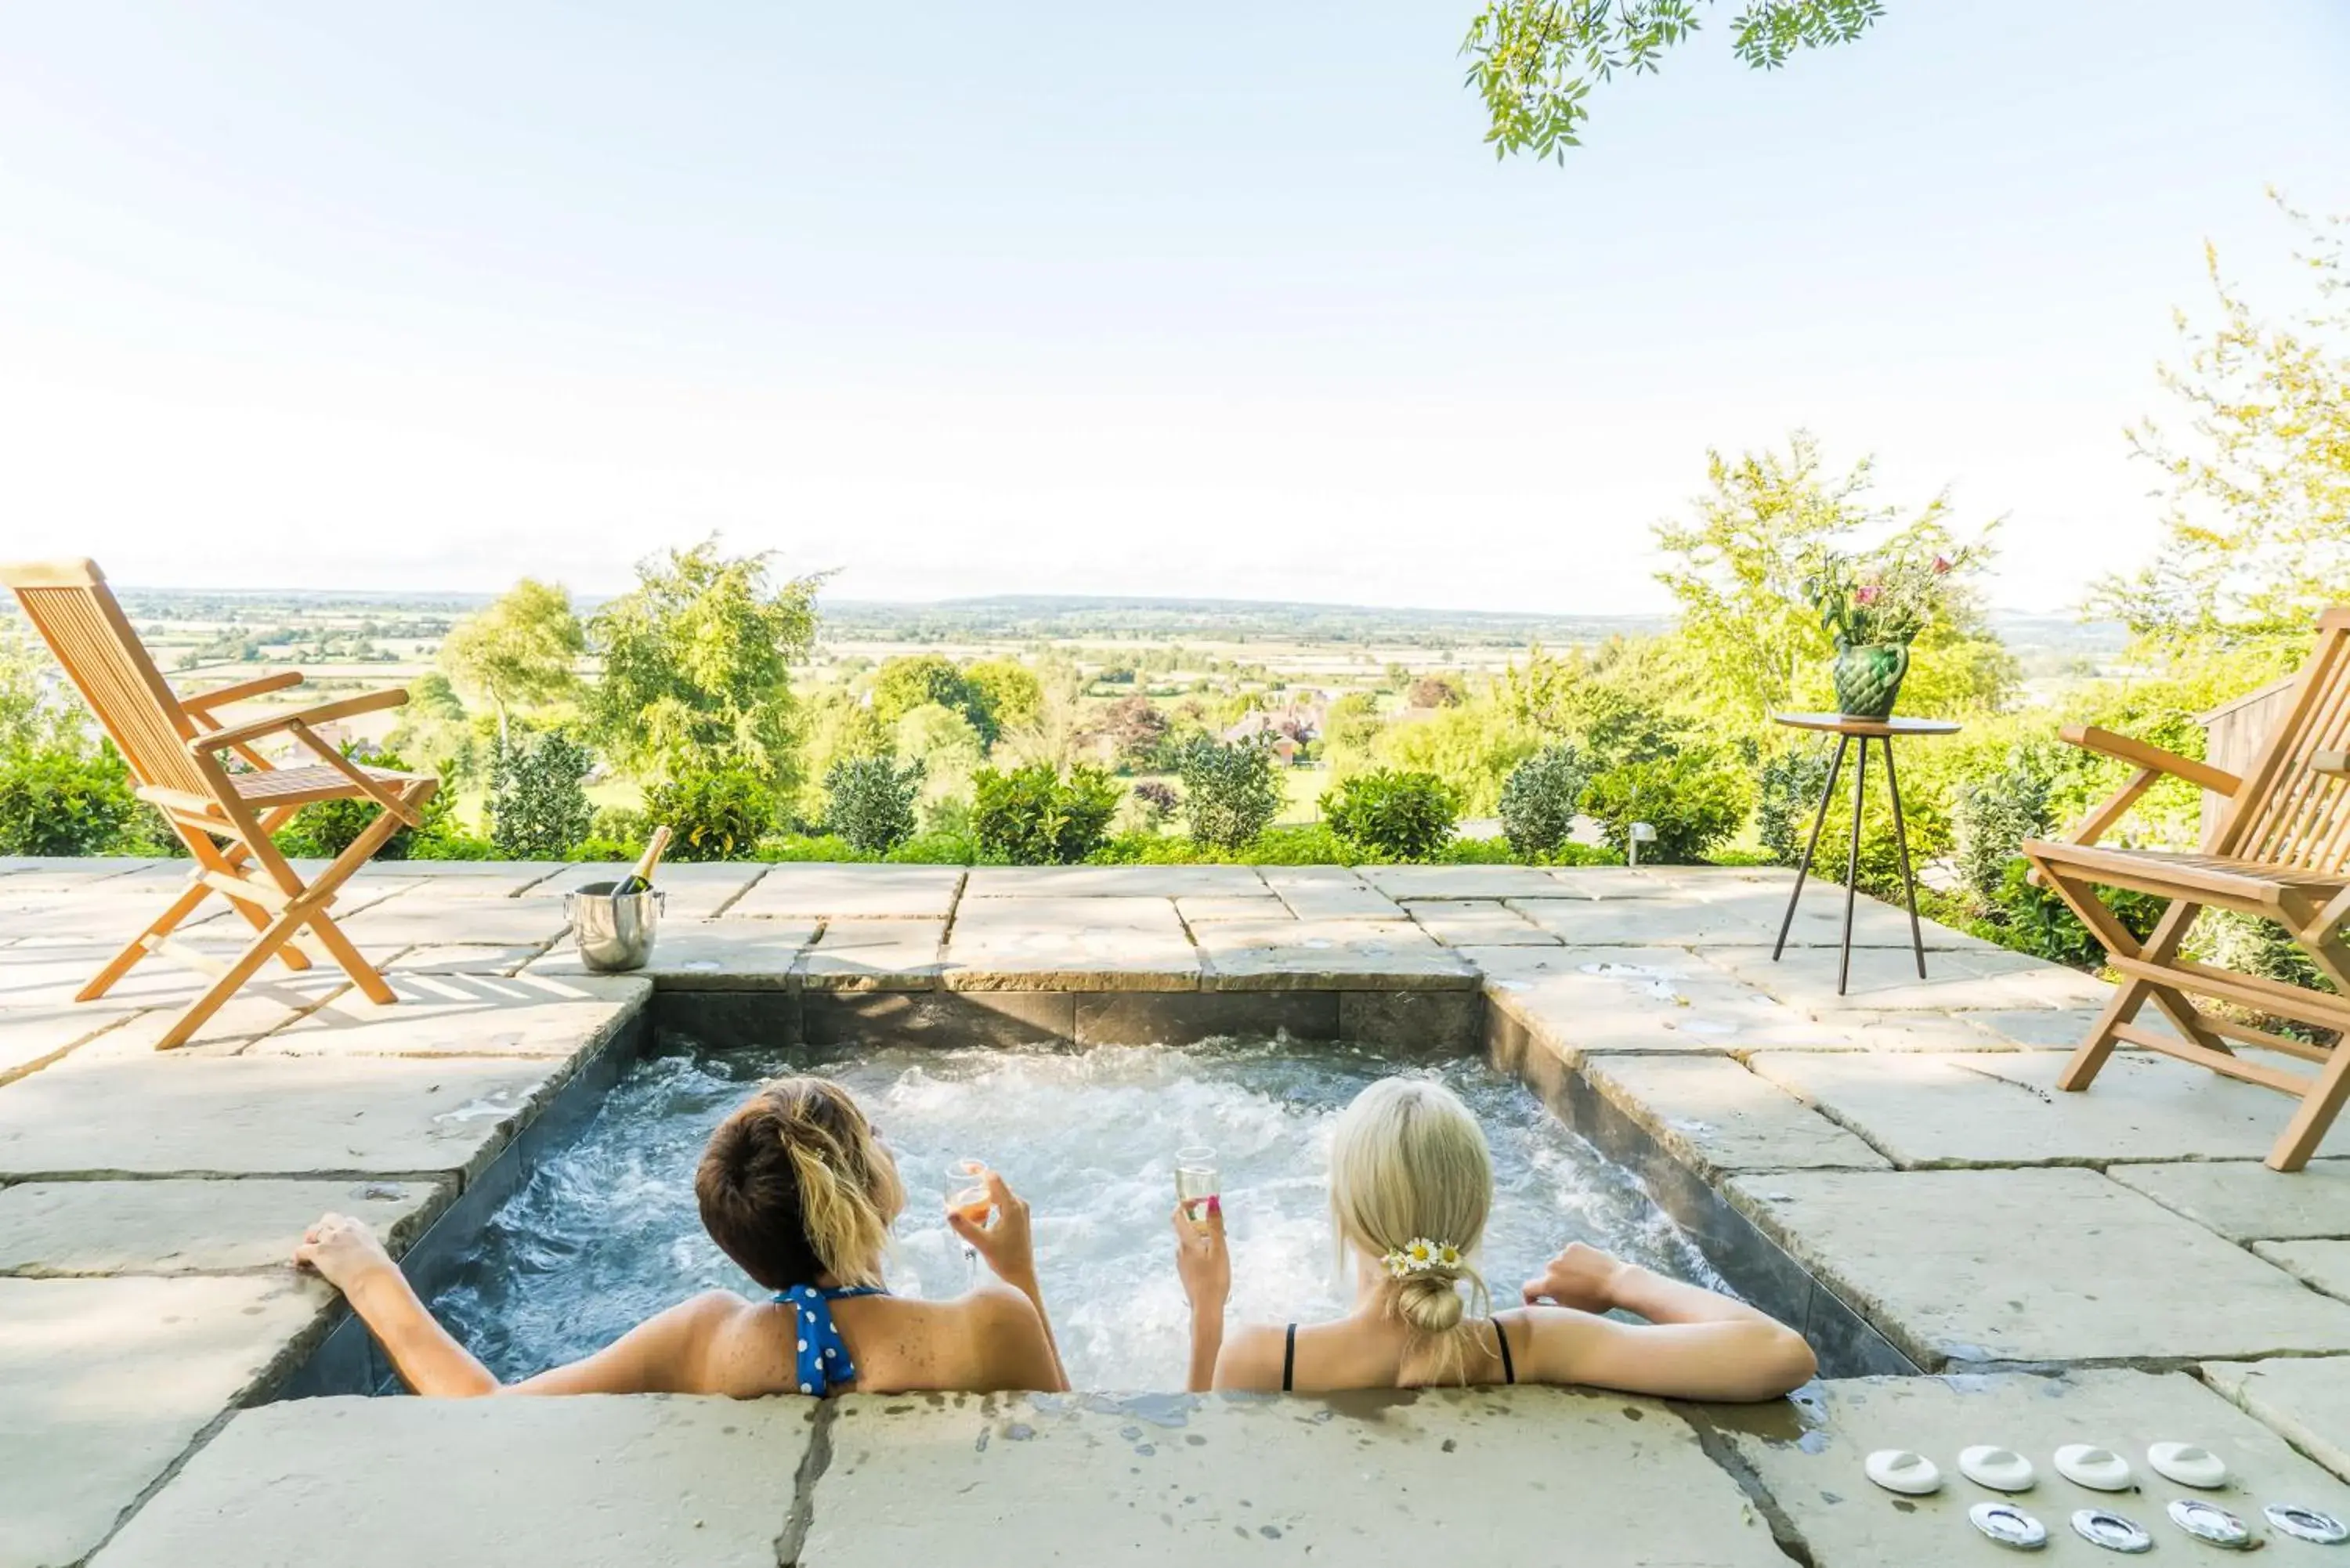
pixel 716 813
pixel 1230 791
pixel 326 828
pixel 869 802
pixel 1995 813
pixel 65 800
pixel 1789 801
pixel 1693 799
pixel 1031 816
pixel 1401 815
pixel 1539 800
pixel 538 794
pixel 2035 920
pixel 1156 800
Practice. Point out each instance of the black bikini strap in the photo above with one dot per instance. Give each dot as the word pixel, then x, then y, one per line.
pixel 1509 1371
pixel 1288 1358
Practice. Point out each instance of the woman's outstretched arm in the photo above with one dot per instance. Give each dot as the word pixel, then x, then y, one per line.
pixel 1009 1247
pixel 660 1356
pixel 1205 1268
pixel 1696 1344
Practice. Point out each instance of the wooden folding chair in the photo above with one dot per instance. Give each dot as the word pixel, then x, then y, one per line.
pixel 2281 850
pixel 174 746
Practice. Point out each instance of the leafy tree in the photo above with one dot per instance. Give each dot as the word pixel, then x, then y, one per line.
pixel 697 668
pixel 435 730
pixel 1230 791
pixel 944 742
pixel 1402 815
pixel 1472 748
pixel 2257 470
pixel 1031 816
pixel 871 802
pixel 522 652
pixel 1434 691
pixel 1540 797
pixel 927 679
pixel 1739 572
pixel 1535 61
pixel 538 795
pixel 1133 728
pixel 1010 691
pixel 712 813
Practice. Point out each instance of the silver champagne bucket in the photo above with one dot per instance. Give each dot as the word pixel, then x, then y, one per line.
pixel 613 929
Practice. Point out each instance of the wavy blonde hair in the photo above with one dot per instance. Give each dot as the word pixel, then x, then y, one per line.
pixel 1409 1162
pixel 796 1184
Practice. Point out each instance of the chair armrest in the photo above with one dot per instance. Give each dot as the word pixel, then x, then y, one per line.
pixel 203 702
pixel 2088 737
pixel 372 701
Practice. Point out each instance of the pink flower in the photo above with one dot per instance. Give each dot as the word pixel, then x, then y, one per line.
pixel 1941 565
pixel 1867 596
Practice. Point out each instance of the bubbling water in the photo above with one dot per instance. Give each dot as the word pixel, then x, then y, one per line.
pixel 606 1233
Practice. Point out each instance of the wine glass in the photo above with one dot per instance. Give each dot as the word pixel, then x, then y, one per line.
pixel 966 1194
pixel 1196 1181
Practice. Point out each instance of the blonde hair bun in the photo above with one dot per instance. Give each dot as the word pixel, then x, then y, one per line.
pixel 1409 1166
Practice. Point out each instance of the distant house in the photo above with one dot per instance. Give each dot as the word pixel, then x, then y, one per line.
pixel 1290 730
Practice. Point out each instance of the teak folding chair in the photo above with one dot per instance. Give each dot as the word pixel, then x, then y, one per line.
pixel 2281 850
pixel 175 746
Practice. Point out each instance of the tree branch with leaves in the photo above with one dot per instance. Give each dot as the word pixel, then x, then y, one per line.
pixel 1534 62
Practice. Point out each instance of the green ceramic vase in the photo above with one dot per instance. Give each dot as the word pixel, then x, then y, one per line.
pixel 1868 677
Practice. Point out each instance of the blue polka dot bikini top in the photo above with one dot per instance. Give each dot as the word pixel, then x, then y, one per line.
pixel 822 1357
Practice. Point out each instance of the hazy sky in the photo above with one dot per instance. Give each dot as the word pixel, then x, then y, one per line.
pixel 1216 299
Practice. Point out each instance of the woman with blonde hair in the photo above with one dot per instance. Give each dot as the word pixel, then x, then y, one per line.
pixel 1410 1185
pixel 797 1188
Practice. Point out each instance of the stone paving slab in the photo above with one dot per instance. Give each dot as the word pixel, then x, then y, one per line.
pixel 589 1482
pixel 59 1228
pixel 2307 1400
pixel 107 1382
pixel 1738 915
pixel 708 955
pixel 1587 999
pixel 1407 882
pixel 1112 881
pixel 173 1115
pixel 33 1037
pixel 809 891
pixel 693 891
pixel 258 1009
pixel 431 914
pixel 875 955
pixel 1479 922
pixel 1198 909
pixel 1982 1268
pixel 1665 881
pixel 2246 1203
pixel 2053 1028
pixel 1101 942
pixel 560 1017
pixel 1502 1476
pixel 2321 1265
pixel 1808 1457
pixel 465 958
pixel 1715 1116
pixel 1328 893
pixel 46 873
pixel 1886 979
pixel 2003 1108
pixel 1328 955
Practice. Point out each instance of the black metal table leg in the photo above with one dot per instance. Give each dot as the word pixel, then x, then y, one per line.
pixel 1852 862
pixel 1908 882
pixel 1804 870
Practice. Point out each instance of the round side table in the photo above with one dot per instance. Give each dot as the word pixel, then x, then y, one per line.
pixel 1846 731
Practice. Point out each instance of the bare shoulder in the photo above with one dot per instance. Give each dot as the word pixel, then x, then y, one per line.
pixel 1252 1355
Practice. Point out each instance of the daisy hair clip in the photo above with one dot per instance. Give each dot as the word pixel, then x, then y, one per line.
pixel 1419 1255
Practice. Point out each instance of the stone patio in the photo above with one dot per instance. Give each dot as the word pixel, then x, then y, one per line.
pixel 2117 1266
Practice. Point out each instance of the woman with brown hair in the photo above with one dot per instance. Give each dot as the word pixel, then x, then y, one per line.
pixel 796 1187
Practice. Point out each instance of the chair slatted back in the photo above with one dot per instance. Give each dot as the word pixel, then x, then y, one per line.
pixel 70 606
pixel 2288 813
